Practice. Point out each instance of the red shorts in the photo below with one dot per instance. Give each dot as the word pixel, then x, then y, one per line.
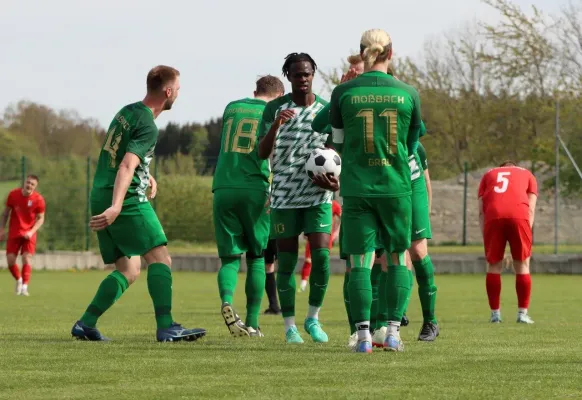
pixel 498 232
pixel 13 246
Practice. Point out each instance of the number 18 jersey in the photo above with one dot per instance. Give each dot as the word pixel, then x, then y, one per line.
pixel 132 130
pixel 239 165
pixel 376 118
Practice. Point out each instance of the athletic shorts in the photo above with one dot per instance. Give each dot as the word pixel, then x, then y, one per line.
pixel 241 221
pixel 291 222
pixel 498 232
pixel 271 252
pixel 379 246
pixel 22 245
pixel 364 218
pixel 421 228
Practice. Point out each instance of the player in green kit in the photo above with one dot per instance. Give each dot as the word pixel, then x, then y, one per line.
pixel 298 205
pixel 241 193
pixel 126 224
pixel 376 119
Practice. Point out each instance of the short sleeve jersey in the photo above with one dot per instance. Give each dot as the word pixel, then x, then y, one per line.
pixel 291 187
pixel 23 212
pixel 374 117
pixel 504 192
pixel 239 165
pixel 132 130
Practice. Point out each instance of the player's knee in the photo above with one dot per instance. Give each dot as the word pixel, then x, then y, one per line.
pixel 418 250
pixel 132 275
pixel 521 267
pixel 288 245
pixel 269 268
pixel 11 259
pixel 495 268
pixel 251 255
pixel 27 258
pixel 319 240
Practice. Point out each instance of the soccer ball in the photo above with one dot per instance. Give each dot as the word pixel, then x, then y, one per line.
pixel 323 161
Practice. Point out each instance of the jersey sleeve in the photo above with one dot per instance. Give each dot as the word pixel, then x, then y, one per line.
pixel 267 120
pixel 532 186
pixel 9 200
pixel 415 124
pixel 481 191
pixel 142 139
pixel 422 156
pixel 321 121
pixel 335 117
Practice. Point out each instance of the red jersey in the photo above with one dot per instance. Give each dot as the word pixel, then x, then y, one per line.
pixel 24 210
pixel 336 209
pixel 505 190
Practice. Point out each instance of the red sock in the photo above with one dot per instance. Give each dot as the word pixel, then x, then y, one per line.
pixel 26 269
pixel 493 285
pixel 306 271
pixel 14 271
pixel 523 289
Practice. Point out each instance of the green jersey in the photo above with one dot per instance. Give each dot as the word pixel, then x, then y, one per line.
pixel 295 141
pixel 376 119
pixel 239 165
pixel 418 162
pixel 132 130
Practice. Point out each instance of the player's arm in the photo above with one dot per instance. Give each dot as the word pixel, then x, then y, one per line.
pixel 39 221
pixel 415 124
pixel 481 215
pixel 5 216
pixel 428 189
pixel 424 164
pixel 268 129
pixel 321 121
pixel 336 121
pixel 532 195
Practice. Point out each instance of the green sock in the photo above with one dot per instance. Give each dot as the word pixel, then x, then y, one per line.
pixel 382 319
pixel 111 289
pixel 286 285
pixel 227 278
pixel 398 291
pixel 360 288
pixel 411 284
pixel 255 284
pixel 160 288
pixel 347 298
pixel 319 277
pixel 426 288
pixel 375 280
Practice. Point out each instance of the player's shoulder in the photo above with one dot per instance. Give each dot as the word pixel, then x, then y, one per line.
pixel 321 100
pixel 277 103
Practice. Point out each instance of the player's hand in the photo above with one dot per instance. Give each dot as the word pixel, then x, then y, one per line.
pixel 27 235
pixel 326 182
pixel 153 187
pixel 348 76
pixel 103 220
pixel 285 116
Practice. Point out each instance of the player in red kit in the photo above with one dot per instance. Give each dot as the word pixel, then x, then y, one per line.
pixel 507 201
pixel 25 208
pixel 336 211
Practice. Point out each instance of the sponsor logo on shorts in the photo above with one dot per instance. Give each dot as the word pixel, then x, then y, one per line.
pixel 323 226
pixel 417 232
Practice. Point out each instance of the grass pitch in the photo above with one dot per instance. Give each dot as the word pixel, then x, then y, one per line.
pixel 471 359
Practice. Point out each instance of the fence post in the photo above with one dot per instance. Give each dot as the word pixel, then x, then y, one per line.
pixel 22 170
pixel 557 179
pixel 465 183
pixel 88 208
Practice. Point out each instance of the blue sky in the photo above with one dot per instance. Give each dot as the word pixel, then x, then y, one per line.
pixel 93 56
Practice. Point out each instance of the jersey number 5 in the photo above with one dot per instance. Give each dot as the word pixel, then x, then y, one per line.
pixel 502 179
pixel 391 129
pixel 245 129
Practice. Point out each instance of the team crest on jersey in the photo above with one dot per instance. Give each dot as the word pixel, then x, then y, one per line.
pixel 30 203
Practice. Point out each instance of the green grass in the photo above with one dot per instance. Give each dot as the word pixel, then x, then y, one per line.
pixel 6 187
pixel 470 360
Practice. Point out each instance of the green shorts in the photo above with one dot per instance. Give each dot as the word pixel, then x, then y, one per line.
pixel 134 232
pixel 363 219
pixel 379 246
pixel 420 212
pixel 291 222
pixel 241 221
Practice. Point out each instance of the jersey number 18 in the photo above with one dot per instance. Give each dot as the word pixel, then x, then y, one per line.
pixel 247 129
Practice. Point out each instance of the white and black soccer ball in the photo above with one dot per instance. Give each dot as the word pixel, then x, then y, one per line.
pixel 323 161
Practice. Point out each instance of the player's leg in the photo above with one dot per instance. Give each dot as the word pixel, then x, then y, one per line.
pixel 375 282
pixel 353 339
pixel 306 270
pixel 494 241
pixel 287 225
pixel 12 249
pixel 520 243
pixel 317 222
pixel 270 281
pixel 28 250
pixel 229 235
pixel 395 224
pixel 381 327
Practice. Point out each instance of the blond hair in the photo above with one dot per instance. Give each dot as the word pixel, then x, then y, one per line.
pixel 375 46
pixel 355 59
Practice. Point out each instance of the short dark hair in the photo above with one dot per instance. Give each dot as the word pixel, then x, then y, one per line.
pixel 160 76
pixel 508 163
pixel 269 85
pixel 295 58
pixel 33 177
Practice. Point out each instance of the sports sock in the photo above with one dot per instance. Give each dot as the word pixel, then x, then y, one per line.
pixel 523 289
pixel 375 281
pixel 160 288
pixel 411 284
pixel 347 302
pixel 254 290
pixel 15 271
pixel 382 319
pixel 111 289
pixel 398 287
pixel 493 286
pixel 26 271
pixel 286 285
pixel 319 276
pixel 227 278
pixel 360 287
pixel 363 329
pixel 427 289
pixel 271 289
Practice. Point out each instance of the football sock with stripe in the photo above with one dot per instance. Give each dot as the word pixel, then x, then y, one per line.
pixel 254 290
pixel 160 288
pixel 227 278
pixel 319 276
pixel 286 285
pixel 109 291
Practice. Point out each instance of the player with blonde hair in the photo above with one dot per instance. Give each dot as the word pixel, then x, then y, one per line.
pixel 378 118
